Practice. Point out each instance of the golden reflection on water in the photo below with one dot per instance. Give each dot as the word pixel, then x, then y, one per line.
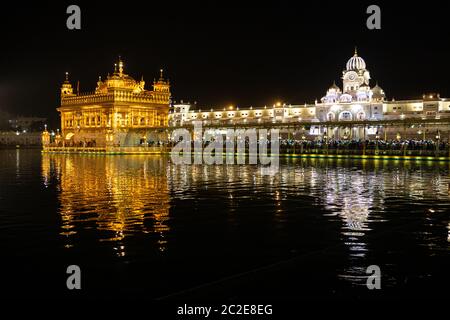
pixel 124 195
pixel 117 195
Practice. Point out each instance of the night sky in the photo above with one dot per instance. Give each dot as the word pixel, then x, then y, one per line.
pixel 221 54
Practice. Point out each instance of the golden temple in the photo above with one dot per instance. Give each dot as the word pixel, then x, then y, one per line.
pixel 115 114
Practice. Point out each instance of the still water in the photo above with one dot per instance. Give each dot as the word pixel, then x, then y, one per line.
pixel 139 226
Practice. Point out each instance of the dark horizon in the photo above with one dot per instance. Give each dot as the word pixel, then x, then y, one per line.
pixel 221 54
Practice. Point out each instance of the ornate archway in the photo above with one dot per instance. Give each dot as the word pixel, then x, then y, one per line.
pixel 331 116
pixel 69 135
pixel 345 116
pixel 361 115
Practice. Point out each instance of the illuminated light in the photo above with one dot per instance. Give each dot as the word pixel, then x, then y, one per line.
pixel 356 108
pixel 335 108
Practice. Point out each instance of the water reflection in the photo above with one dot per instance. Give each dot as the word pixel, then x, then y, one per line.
pixel 448 237
pixel 121 196
pixel 118 196
pixel 364 196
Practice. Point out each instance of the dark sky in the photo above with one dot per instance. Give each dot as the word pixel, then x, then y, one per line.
pixel 233 53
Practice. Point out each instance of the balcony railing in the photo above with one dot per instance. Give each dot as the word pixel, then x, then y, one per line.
pixel 115 96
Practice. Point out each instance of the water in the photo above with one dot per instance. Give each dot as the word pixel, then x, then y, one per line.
pixel 139 226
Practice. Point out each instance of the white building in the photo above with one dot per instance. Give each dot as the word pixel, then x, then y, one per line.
pixel 355 101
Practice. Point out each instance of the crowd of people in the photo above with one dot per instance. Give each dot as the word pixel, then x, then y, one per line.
pixel 410 147
pixel 367 144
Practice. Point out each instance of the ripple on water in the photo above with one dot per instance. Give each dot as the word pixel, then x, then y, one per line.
pixel 356 213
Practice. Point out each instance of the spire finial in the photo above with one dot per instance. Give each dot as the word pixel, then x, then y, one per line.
pixel 356 51
pixel 161 76
pixel 67 76
pixel 120 65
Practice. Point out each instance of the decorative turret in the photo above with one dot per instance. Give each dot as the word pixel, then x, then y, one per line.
pixel 120 67
pixel 355 75
pixel 141 84
pixel 378 93
pixel 45 137
pixel 333 94
pixel 101 86
pixel 161 85
pixel 119 80
pixel 66 88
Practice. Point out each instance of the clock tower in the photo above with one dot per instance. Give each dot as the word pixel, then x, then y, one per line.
pixel 355 75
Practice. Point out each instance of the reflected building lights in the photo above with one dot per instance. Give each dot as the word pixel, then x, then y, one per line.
pixel 448 237
pixel 117 196
pixel 120 196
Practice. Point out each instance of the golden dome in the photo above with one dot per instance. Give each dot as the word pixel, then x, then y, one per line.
pixel 119 81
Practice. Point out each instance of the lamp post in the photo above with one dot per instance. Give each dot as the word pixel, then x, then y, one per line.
pixel 377 137
pixel 438 139
pixel 301 145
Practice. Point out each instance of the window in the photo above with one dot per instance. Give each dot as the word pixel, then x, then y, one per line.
pixel 361 115
pixel 330 116
pixel 345 115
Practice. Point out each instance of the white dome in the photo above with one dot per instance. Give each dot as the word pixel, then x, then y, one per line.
pixel 377 89
pixel 346 98
pixel 378 92
pixel 356 63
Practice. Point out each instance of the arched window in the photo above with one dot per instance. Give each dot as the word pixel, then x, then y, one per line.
pixel 345 116
pixel 330 116
pixel 361 115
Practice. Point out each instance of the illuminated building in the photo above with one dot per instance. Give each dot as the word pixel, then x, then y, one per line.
pixel 116 113
pixel 13 138
pixel 357 100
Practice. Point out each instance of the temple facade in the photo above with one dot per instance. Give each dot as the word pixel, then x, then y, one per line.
pixel 117 113
pixel 357 99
